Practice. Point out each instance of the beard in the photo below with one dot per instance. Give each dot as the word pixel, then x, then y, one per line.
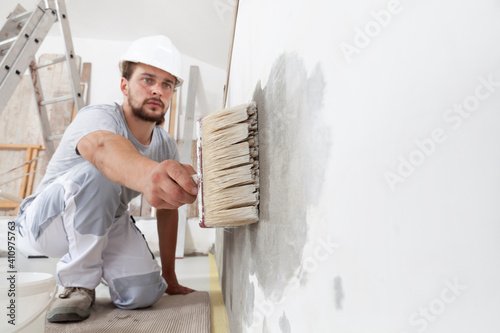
pixel 143 114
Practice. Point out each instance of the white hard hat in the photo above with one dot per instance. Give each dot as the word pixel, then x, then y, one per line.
pixel 156 51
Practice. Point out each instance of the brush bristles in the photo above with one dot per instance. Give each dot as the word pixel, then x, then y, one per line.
pixel 236 216
pixel 230 166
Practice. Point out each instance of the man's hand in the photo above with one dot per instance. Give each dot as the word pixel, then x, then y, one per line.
pixel 173 286
pixel 178 290
pixel 166 185
pixel 169 185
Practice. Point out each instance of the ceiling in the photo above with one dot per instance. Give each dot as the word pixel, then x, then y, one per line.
pixel 199 28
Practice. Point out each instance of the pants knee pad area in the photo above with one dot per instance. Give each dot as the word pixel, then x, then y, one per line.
pixel 136 292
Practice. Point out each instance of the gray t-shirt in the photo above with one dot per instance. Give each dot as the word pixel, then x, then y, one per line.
pixel 101 118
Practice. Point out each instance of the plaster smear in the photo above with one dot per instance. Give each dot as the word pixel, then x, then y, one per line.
pixel 310 278
pixel 295 144
pixel 294 147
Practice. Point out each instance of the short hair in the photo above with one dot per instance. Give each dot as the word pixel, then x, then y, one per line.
pixel 127 68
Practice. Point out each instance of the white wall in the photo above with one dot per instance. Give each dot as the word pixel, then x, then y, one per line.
pixel 403 233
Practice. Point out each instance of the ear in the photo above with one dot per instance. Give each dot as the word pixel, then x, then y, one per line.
pixel 124 86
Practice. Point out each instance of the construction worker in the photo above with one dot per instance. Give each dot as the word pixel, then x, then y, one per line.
pixel 108 155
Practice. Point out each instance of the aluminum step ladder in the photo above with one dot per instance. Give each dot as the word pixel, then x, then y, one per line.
pixel 20 39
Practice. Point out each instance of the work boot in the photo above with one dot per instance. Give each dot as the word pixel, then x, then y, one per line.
pixel 72 305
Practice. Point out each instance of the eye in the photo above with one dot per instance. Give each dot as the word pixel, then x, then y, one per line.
pixel 167 85
pixel 147 80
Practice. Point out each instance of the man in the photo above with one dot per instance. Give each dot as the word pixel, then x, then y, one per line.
pixel 108 155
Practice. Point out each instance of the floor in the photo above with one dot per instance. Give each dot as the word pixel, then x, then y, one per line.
pixel 192 271
pixel 198 272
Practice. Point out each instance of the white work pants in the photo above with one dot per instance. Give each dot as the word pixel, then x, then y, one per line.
pixel 75 218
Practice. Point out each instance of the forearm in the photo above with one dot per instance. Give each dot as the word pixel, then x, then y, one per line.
pixel 166 185
pixel 117 158
pixel 167 233
pixel 167 223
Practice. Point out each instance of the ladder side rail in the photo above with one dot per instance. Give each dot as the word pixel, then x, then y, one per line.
pixel 5 45
pixel 42 110
pixel 18 59
pixel 8 64
pixel 11 27
pixel 73 69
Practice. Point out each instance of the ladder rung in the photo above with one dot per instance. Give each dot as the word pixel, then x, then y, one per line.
pixel 7 42
pixel 56 100
pixel 4 52
pixel 21 17
pixel 55 61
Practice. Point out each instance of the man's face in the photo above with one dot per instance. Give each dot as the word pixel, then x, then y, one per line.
pixel 148 92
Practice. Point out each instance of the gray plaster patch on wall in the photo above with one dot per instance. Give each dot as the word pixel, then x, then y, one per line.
pixel 266 327
pixel 293 150
pixel 250 299
pixel 285 324
pixel 339 292
pixel 292 154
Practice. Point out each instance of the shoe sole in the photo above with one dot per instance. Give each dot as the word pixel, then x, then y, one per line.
pixel 65 314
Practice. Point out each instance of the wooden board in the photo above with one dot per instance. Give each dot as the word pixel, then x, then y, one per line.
pixel 173 115
pixel 85 85
pixel 18 124
pixel 20 185
pixel 85 79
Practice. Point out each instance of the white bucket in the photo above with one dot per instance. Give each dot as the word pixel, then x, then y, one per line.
pixel 29 306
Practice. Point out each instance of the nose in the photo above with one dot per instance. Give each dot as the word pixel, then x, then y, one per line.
pixel 156 90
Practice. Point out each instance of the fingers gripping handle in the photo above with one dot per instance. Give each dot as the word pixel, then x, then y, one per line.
pixel 194 177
